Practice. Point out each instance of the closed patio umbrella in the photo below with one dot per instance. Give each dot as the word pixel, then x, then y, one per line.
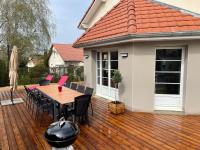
pixel 13 66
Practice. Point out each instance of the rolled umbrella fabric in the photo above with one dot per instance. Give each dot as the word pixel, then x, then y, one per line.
pixel 13 66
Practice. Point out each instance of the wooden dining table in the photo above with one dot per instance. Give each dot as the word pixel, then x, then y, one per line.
pixel 66 96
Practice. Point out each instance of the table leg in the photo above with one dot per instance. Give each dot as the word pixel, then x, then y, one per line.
pixel 56 111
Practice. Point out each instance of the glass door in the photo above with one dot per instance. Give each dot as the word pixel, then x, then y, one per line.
pixel 169 79
pixel 107 63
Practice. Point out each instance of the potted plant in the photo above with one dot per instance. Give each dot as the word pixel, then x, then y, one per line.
pixel 116 107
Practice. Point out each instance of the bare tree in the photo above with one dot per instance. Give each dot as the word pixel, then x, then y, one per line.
pixel 25 23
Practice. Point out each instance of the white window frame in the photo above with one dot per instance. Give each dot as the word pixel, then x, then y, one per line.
pixel 109 72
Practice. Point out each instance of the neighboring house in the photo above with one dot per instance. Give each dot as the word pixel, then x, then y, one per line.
pixel 64 55
pixel 155 46
pixel 99 8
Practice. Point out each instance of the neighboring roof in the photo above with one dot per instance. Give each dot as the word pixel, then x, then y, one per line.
pixel 139 17
pixel 68 53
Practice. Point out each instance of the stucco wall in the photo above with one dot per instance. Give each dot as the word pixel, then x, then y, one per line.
pixel 192 95
pixel 143 77
pixel 138 71
pixel 90 69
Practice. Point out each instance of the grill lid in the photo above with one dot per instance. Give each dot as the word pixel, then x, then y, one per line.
pixel 61 131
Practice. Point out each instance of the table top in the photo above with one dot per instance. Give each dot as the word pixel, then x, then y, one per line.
pixel 66 96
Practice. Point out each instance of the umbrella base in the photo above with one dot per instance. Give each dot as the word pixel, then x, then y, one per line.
pixel 9 101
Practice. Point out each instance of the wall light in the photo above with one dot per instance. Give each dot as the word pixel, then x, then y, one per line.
pixel 124 55
pixel 86 56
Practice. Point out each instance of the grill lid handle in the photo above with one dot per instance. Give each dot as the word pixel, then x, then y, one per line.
pixel 62 122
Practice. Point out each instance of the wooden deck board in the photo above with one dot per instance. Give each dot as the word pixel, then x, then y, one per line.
pixel 137 131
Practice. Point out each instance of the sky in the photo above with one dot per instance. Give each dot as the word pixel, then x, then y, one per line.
pixel 66 16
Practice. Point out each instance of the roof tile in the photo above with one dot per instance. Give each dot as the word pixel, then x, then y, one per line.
pixel 139 17
pixel 68 53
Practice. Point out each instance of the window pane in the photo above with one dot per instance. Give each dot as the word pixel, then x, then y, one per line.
pixel 105 64
pixel 98 80
pixel 111 73
pixel 105 73
pixel 168 77
pixel 104 56
pixel 167 89
pixel 98 56
pixel 168 54
pixel 98 64
pixel 105 81
pixel 114 55
pixel 98 72
pixel 114 64
pixel 168 66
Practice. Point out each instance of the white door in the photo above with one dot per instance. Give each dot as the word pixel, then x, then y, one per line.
pixel 169 79
pixel 107 63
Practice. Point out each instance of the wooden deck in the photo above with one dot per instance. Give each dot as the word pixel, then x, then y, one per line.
pixel 137 131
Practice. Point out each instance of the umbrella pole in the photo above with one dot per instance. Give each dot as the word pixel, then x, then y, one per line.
pixel 11 94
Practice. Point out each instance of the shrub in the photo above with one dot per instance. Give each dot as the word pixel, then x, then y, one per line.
pixel 4 80
pixel 80 73
pixel 33 76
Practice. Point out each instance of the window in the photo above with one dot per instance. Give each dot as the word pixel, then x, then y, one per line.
pixel 168 71
pixel 113 66
pixel 107 63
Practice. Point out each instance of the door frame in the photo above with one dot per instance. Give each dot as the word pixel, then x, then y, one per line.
pixel 180 96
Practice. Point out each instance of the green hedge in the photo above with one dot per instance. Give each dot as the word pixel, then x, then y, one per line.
pixel 4 81
pixel 33 75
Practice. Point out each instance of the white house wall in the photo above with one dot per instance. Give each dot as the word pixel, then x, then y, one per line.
pixel 55 59
pixel 101 11
pixel 191 5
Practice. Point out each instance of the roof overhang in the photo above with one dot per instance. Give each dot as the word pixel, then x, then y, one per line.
pixel 90 13
pixel 169 36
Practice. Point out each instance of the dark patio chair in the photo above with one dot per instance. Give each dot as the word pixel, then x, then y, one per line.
pixel 73 86
pixel 89 91
pixel 43 104
pixel 68 84
pixel 81 89
pixel 28 94
pixel 80 110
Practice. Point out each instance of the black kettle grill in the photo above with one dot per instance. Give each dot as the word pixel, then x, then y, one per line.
pixel 62 134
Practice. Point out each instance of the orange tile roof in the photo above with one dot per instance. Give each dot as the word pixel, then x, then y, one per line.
pixel 139 17
pixel 68 53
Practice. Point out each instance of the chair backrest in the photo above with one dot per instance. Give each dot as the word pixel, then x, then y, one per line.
pixel 81 105
pixel 81 89
pixel 49 77
pixel 89 91
pixel 68 84
pixel 62 80
pixel 73 86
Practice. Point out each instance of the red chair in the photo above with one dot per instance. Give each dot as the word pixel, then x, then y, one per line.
pixel 62 80
pixel 49 77
pixel 45 81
